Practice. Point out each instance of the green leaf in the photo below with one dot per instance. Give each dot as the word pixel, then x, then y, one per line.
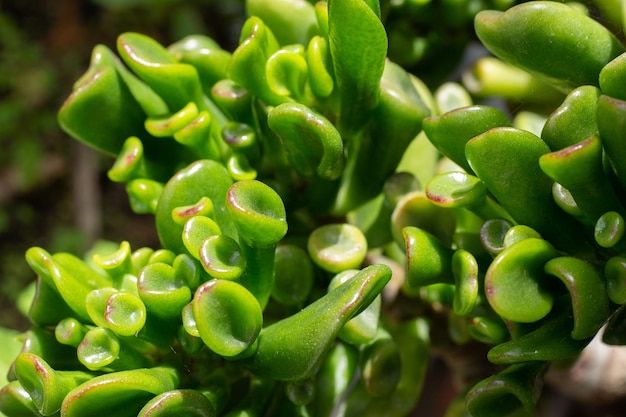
pixel 203 178
pixel 312 143
pixel 358 47
pixel 292 21
pixel 515 281
pixel 177 84
pixel 285 349
pixel 228 317
pixel 121 393
pixel 578 46
pixel 506 160
pixel 517 387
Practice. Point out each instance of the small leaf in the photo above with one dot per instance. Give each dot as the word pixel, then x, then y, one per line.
pixel 515 281
pixel 196 230
pixel 517 387
pixel 294 275
pixel 167 126
pixel 313 144
pixel 257 211
pixel 222 257
pixel 187 402
pixel 228 317
pixel 163 290
pixel 337 247
pixel 590 303
pixel 286 73
pixel 429 261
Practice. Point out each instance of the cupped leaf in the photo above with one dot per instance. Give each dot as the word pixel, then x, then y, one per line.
pixel 196 230
pixel 204 178
pixel 313 144
pixel 258 212
pixel 70 332
pixel 125 313
pixel 320 67
pixel 117 263
pixel 99 348
pixel 337 247
pixel 234 100
pixel 492 234
pixel 590 303
pixel 515 282
pixel 294 275
pixel 517 387
pixel 518 233
pixel 222 257
pixel 163 290
pixel 203 207
pixel 228 317
pixel 286 73
pixel 550 341
pixel 415 209
pixel 487 329
pixel 130 163
pixel 167 126
pixel 615 275
pixel 609 229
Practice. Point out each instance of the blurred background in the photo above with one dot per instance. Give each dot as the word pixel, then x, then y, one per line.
pixel 53 190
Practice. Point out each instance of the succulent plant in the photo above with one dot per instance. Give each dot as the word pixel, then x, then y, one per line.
pixel 304 270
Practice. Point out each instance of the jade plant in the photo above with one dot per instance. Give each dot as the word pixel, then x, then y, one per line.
pixel 328 222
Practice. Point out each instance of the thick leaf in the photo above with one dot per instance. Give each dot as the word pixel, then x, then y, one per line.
pixel 358 46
